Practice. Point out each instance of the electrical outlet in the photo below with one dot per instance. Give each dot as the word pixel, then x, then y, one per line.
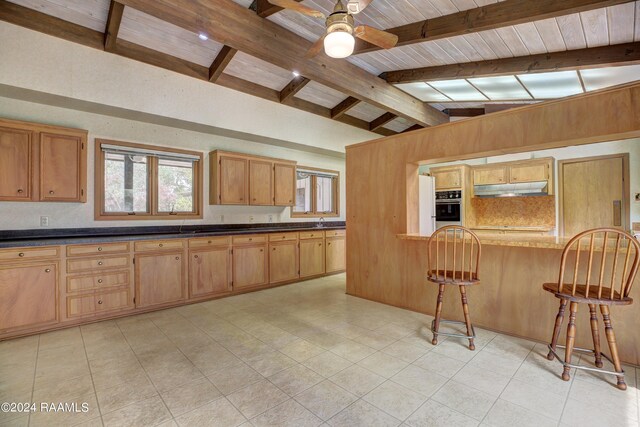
pixel 221 218
pixel 270 218
pixel 44 221
pixel 251 218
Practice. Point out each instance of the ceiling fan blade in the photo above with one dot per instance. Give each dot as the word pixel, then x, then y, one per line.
pixel 374 36
pixel 294 5
pixel 316 48
pixel 357 6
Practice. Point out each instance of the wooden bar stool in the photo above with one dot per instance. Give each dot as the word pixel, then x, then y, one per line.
pixel 454 251
pixel 616 264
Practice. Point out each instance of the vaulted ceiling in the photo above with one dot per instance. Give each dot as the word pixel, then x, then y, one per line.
pixel 446 49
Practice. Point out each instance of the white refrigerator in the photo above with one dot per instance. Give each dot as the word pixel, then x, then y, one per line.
pixel 427 204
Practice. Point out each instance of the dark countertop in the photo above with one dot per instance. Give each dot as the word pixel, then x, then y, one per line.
pixel 63 236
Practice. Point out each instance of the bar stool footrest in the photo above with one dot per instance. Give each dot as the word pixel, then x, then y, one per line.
pixel 451 334
pixel 585 368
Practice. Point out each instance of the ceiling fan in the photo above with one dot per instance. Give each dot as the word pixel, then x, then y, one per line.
pixel 338 41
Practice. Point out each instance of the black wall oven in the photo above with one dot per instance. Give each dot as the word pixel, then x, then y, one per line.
pixel 448 208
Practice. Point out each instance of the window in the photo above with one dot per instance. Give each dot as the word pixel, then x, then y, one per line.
pixel 316 193
pixel 135 181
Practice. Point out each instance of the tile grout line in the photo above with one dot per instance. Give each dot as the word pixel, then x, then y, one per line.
pixel 35 372
pixel 95 392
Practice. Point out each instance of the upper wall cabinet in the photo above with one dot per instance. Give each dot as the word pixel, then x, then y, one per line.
pixel 487 175
pixel 42 163
pixel 448 178
pixel 239 179
pixel 535 170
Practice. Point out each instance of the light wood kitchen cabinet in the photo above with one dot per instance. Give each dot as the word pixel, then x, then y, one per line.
pixel 15 164
pixel 335 254
pixel 28 295
pixel 532 172
pixel 447 178
pixel 283 261
pixel 260 182
pixel 284 181
pixel 42 163
pixel 159 278
pixel 312 255
pixel 101 302
pixel 241 179
pixel 234 182
pixel 250 265
pixel 62 168
pixel 209 271
pixel 490 175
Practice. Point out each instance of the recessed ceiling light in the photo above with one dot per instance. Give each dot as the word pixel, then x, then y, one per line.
pixel 203 36
pixel 296 74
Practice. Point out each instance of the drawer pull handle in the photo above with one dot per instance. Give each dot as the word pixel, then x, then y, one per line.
pixel 177 258
pixel 319 244
pixel 284 237
pixel 20 191
pixel 261 250
pixel 48 270
pixel 100 249
pixel 209 241
pixel 328 244
pixel 100 263
pixel 160 244
pixel 274 249
pixel 195 256
pixel 250 240
pixel 99 280
pixel 312 235
pixel 51 192
pixel 21 254
pixel 99 301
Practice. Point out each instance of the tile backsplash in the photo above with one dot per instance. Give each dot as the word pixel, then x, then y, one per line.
pixel 539 211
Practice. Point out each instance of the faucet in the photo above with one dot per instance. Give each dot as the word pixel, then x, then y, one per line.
pixel 320 222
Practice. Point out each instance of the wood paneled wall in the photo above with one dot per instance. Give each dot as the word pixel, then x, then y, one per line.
pixel 381 205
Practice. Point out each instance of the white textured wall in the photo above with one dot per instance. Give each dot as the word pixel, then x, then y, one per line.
pixel 631 146
pixel 43 63
pixel 21 215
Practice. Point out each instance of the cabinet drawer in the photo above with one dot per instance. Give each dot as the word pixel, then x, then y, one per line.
pixel 18 254
pixel 98 303
pixel 311 234
pixel 97 281
pixel 87 264
pixel 247 240
pixel 103 248
pixel 283 237
pixel 335 233
pixel 159 245
pixel 209 241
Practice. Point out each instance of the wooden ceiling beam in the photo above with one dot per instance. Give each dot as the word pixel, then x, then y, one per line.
pixel 38 21
pixel 381 121
pixel 464 112
pixel 412 128
pixel 344 106
pixel 263 8
pixel 242 29
pixel 594 57
pixel 294 86
pixel 113 25
pixel 221 61
pixel 491 16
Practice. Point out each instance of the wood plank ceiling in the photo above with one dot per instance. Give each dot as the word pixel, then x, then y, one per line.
pixel 523 29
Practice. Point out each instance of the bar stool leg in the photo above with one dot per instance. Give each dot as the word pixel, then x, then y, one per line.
pixel 613 347
pixel 436 323
pixel 556 329
pixel 571 336
pixel 467 318
pixel 596 335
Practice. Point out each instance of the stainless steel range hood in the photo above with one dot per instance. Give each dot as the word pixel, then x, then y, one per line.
pixel 522 189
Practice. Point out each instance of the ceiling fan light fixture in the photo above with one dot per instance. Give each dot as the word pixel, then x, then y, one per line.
pixel 339 44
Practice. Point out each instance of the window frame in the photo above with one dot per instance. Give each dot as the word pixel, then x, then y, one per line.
pixel 152 185
pixel 335 194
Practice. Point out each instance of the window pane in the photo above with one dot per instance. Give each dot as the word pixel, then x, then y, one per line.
pixel 125 183
pixel 175 185
pixel 303 193
pixel 324 194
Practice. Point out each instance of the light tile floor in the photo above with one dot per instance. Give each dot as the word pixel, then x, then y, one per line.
pixel 298 355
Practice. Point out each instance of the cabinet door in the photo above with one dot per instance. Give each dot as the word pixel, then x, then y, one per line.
pixel 260 182
pixel 159 279
pixel 284 184
pixel 28 296
pixel 530 173
pixel 249 266
pixel 62 166
pixel 283 261
pixel 311 257
pixel 336 254
pixel 233 181
pixel 447 180
pixel 488 176
pixel 209 272
pixel 15 164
